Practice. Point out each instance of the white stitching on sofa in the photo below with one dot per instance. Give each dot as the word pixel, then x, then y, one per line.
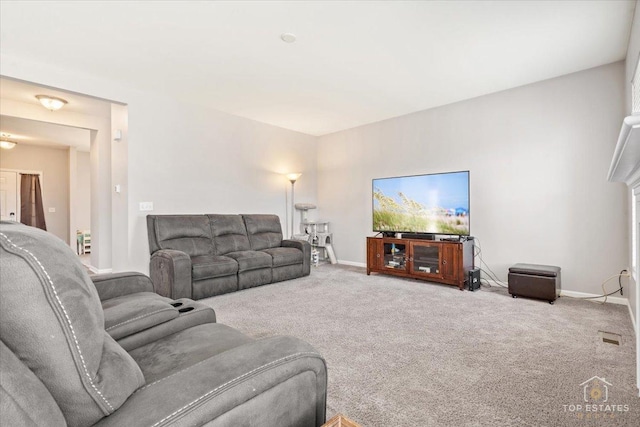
pixel 291 356
pixel 139 317
pixel 73 332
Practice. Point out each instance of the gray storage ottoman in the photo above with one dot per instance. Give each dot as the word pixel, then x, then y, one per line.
pixel 535 281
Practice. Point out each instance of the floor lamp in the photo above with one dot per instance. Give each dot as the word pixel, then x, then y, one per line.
pixel 292 177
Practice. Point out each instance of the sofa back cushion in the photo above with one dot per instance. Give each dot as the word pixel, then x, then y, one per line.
pixel 24 400
pixel 52 320
pixel 229 234
pixel 186 233
pixel 264 231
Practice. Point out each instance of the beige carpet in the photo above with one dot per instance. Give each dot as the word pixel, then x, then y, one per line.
pixel 408 353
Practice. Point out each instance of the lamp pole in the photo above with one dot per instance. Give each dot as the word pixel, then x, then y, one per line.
pixel 292 177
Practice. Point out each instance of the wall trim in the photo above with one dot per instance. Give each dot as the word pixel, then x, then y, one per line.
pixel 352 263
pixel 612 300
pixel 97 270
pixel 579 295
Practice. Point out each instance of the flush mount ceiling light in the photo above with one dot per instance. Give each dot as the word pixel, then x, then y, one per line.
pixel 51 102
pixel 288 37
pixel 6 143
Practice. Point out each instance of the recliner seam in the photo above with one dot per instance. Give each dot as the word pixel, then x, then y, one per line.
pixel 202 361
pixel 246 374
pixel 139 317
pixel 75 339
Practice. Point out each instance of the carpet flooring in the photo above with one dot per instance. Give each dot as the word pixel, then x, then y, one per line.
pixel 403 352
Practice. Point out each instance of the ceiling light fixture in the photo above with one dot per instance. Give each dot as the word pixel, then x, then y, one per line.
pixel 51 102
pixel 288 37
pixel 6 143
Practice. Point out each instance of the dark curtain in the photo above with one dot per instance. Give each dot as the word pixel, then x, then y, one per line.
pixel 31 210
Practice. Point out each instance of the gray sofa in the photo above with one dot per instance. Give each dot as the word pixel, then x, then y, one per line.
pixel 110 352
pixel 199 256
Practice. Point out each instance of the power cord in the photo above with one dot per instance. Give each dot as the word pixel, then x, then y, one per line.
pixel 478 253
pixel 489 273
pixel 623 273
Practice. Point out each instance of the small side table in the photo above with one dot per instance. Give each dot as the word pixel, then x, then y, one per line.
pixel 340 421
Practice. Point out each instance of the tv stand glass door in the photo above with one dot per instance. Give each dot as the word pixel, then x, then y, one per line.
pixel 395 256
pixel 426 259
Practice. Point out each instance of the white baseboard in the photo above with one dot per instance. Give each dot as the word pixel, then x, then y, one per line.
pixel 97 270
pixel 635 329
pixel 574 294
pixel 612 300
pixel 352 263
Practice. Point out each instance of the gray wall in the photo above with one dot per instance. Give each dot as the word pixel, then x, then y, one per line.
pixel 188 159
pixel 54 164
pixel 538 157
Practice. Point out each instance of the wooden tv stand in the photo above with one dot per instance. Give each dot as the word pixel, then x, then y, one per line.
pixel 432 260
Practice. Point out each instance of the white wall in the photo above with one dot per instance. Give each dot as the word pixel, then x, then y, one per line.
pixel 189 159
pixel 538 157
pixel 82 205
pixel 633 53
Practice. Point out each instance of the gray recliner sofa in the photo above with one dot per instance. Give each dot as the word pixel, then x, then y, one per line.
pixel 110 352
pixel 199 256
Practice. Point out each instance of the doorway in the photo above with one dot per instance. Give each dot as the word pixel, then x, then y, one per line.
pixel 9 196
pixel 105 125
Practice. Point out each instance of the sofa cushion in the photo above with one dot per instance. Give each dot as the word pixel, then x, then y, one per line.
pixel 229 234
pixel 186 348
pixel 209 266
pixel 129 314
pixel 51 319
pixel 285 256
pixel 215 376
pixel 264 231
pixel 24 400
pixel 186 233
pixel 251 260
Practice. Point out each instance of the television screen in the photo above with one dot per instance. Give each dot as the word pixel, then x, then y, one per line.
pixel 433 204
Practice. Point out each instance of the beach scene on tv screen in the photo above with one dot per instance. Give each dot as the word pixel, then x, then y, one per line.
pixel 437 204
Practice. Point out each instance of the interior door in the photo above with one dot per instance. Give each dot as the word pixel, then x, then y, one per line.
pixel 9 196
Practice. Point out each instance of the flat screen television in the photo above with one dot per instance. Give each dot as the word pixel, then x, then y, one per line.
pixel 431 204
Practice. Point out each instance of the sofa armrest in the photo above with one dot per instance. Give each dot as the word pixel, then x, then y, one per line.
pixel 305 247
pixel 114 285
pixel 274 381
pixel 170 272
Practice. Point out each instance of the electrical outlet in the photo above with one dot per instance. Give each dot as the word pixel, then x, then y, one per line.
pixel 52 210
pixel 146 206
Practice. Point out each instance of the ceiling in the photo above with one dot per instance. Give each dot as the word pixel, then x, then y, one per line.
pixel 353 62
pixel 48 133
pixel 32 132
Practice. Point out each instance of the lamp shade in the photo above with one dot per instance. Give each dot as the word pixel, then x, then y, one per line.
pixel 293 177
pixel 51 102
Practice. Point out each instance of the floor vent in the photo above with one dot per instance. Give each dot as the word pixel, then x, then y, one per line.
pixel 610 337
